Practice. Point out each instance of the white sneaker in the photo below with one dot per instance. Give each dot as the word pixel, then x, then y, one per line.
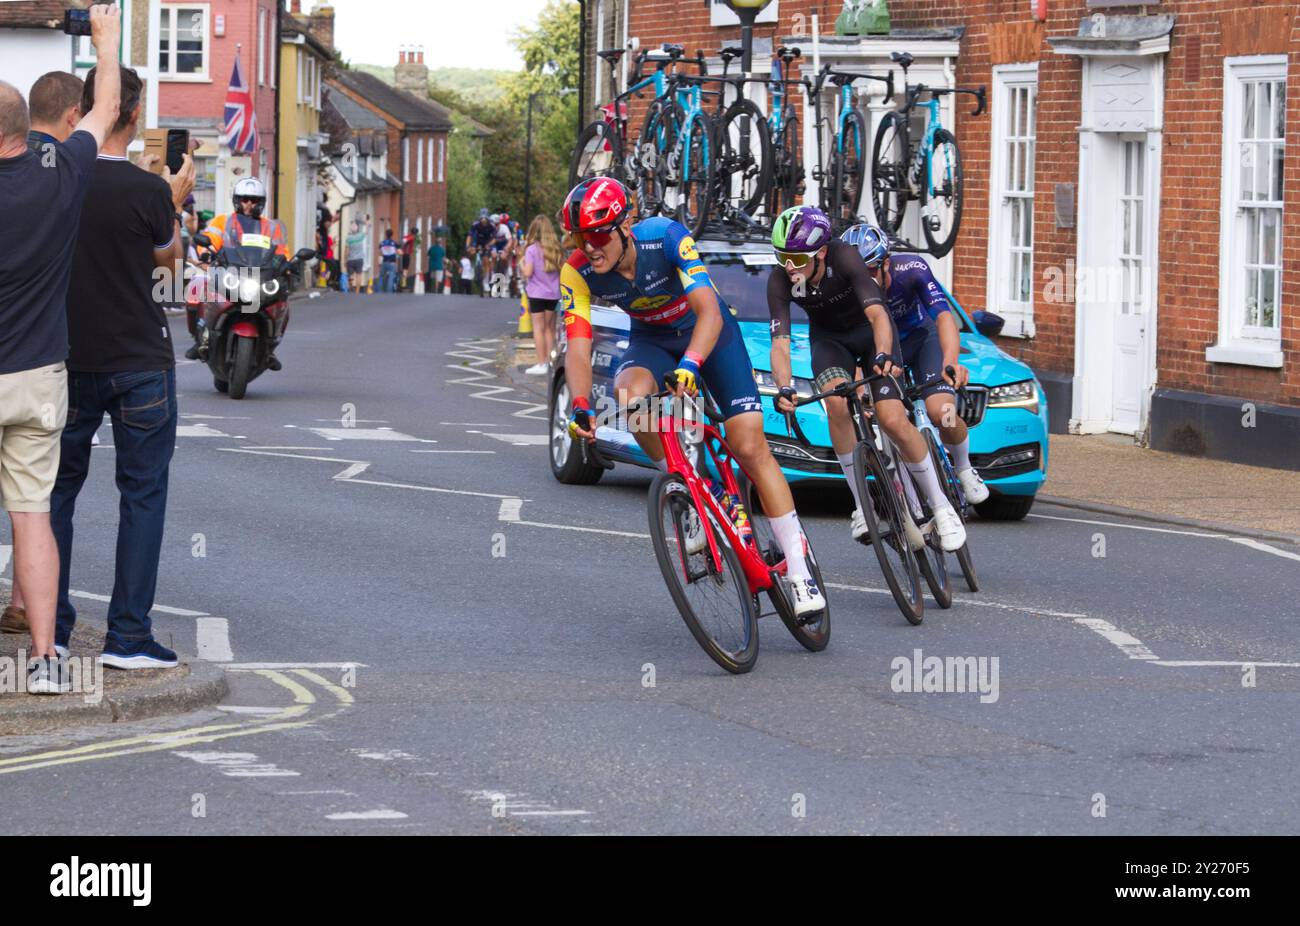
pixel 952 533
pixel 541 369
pixel 974 487
pixel 808 598
pixel 915 539
pixel 693 531
pixel 858 524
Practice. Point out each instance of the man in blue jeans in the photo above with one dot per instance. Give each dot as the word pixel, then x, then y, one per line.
pixel 121 362
pixel 388 251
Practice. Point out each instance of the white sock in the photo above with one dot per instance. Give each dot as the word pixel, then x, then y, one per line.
pixel 925 475
pixel 960 454
pixel 789 534
pixel 850 468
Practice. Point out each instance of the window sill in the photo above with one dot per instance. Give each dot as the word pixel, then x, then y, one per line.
pixel 1016 326
pixel 1251 356
pixel 184 79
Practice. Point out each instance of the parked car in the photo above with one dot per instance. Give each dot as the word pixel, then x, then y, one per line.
pixel 1005 405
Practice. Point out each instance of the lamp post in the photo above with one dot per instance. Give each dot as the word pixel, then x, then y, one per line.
pixel 528 149
pixel 747 11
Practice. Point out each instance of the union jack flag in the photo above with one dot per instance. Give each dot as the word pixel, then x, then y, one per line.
pixel 241 118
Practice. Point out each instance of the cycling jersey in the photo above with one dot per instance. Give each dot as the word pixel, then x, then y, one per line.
pixel 668 266
pixel 482 233
pixel 914 298
pixel 837 303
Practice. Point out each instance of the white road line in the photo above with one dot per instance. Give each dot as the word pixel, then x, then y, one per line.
pixel 279 447
pixel 383 434
pixel 253 666
pixel 1244 541
pixel 489 452
pixel 469 424
pixel 198 430
pixel 404 485
pixel 1198 663
pixel 319 791
pixel 509 510
pixel 355 469
pixel 214 639
pixel 585 530
pixel 473 352
pixel 238 764
pixel 506 803
pixel 1128 644
pixel 549 813
pixel 367 815
pixel 219 417
pixel 287 456
pixel 241 709
pixel 521 440
pixel 1264 548
pixel 382 755
pixel 977 602
pixel 91 596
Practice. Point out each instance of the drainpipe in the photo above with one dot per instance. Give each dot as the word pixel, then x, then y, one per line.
pixel 582 62
pixel 279 84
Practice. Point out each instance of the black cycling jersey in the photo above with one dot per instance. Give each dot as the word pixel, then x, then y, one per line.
pixel 837 303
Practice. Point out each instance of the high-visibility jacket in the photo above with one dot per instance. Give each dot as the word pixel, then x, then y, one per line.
pixel 228 230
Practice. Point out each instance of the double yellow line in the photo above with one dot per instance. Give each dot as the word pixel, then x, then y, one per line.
pixel 285 719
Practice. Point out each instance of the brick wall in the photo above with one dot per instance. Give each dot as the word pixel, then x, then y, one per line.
pixel 1001 31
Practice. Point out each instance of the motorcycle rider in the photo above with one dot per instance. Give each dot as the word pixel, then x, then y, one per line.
pixel 249 198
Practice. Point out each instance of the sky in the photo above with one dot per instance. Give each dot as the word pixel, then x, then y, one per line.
pixel 454 33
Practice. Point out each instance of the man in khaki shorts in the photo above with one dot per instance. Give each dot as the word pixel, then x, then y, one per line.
pixel 41 198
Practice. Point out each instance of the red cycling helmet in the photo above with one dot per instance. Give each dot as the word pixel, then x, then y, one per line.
pixel 597 204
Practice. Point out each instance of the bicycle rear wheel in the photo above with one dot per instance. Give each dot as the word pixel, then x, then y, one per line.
pixel 812 633
pixel 884 517
pixel 650 162
pixel 599 153
pixel 850 168
pixel 889 189
pixel 787 171
pixel 714 602
pixel 697 174
pixel 744 171
pixel 941 212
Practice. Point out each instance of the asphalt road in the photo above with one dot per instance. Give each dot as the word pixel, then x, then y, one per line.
pixel 389 673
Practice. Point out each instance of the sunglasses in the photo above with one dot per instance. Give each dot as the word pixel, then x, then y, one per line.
pixel 794 260
pixel 597 239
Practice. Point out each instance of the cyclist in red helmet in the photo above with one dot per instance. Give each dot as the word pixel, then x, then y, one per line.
pixel 681 325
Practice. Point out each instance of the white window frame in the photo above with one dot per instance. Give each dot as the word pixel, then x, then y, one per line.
pixel 442 161
pixel 171 76
pixel 419 160
pixel 406 159
pixel 272 33
pixel 1237 343
pixel 261 47
pixel 1006 77
pixel 430 169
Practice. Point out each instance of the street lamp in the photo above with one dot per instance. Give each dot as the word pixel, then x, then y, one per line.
pixel 747 11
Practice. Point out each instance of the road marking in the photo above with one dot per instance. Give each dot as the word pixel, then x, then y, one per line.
pixel 976 602
pixel 1264 547
pixel 1244 541
pixel 506 803
pixel 321 791
pixel 404 485
pixel 1128 644
pixel 355 420
pixel 238 764
pixel 219 417
pixel 469 424
pixel 239 709
pixel 301 695
pixel 1197 663
pixel 367 815
pixel 355 469
pixel 255 666
pixel 288 456
pixel 509 510
pixel 278 447
pixel 92 596
pixel 344 696
pixel 384 434
pixel 452 451
pixel 585 530
pixel 382 755
pixel 198 430
pixel 472 352
pixel 214 639
pixel 521 440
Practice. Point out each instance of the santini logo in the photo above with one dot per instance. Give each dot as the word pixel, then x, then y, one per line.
pixel 950 674
pixel 88 879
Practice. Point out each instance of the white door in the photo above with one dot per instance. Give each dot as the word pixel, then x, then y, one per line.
pixel 1130 359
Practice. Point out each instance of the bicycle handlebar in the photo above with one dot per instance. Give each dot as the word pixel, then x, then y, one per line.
pixel 981 102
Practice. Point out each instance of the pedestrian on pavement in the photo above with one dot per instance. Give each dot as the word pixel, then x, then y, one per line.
pixel 466 275
pixel 541 269
pixel 437 257
pixel 121 362
pixel 355 254
pixel 408 252
pixel 55 105
pixel 388 263
pixel 41 197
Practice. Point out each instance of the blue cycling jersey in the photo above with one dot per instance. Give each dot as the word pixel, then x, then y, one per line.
pixel 914 298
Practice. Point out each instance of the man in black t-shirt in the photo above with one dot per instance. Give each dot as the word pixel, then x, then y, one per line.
pixel 40 201
pixel 126 265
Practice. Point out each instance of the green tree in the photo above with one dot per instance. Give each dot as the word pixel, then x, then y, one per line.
pixel 466 180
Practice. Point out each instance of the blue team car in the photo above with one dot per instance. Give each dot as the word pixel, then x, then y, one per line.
pixel 1005 405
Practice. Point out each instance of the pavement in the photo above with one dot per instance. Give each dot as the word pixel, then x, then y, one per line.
pixel 421 631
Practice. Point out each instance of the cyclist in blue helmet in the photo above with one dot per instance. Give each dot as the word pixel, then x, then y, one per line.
pixel 929 341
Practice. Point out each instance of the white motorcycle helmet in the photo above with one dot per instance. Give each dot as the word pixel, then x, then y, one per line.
pixel 250 188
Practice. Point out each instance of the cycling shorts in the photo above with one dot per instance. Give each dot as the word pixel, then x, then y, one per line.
pixel 923 355
pixel 836 354
pixel 727 370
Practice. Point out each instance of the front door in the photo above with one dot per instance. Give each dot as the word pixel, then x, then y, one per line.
pixel 1131 308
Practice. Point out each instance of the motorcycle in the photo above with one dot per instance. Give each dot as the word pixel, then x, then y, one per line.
pixel 243 303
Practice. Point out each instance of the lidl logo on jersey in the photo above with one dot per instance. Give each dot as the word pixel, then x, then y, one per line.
pixel 645 303
pixel 687 250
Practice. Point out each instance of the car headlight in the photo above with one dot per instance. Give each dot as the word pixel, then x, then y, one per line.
pixel 1023 394
pixel 767 385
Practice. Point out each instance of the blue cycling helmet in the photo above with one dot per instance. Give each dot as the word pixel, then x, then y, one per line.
pixel 871 242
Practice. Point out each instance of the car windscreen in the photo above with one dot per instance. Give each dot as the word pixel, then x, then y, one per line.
pixel 743 284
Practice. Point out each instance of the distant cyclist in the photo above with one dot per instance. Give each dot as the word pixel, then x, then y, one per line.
pixel 679 325
pixel 479 238
pixel 849 327
pixel 929 341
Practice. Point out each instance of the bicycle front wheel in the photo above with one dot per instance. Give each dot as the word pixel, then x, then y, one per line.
pixel 698 165
pixel 745 158
pixel 889 189
pixel 599 153
pixel 650 162
pixel 941 193
pixel 884 517
pixel 952 488
pixel 850 168
pixel 713 600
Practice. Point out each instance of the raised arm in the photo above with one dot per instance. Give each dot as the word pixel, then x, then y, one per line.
pixel 105 36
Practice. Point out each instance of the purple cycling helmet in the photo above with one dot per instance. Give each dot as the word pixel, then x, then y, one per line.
pixel 801 229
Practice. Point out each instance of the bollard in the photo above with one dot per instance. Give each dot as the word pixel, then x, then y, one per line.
pixel 525 317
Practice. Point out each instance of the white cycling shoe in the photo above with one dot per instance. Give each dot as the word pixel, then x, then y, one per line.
pixel 808 598
pixel 858 525
pixel 915 539
pixel 974 487
pixel 952 533
pixel 693 533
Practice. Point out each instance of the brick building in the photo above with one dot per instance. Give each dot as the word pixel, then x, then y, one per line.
pixel 416 144
pixel 1126 195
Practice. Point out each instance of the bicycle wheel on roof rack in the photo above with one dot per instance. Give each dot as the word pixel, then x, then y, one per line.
pixel 744 158
pixel 697 148
pixel 599 153
pixel 941 194
pixel 652 174
pixel 889 187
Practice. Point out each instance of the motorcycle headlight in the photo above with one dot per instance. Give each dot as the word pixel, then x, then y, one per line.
pixel 1023 394
pixel 248 290
pixel 271 288
pixel 767 384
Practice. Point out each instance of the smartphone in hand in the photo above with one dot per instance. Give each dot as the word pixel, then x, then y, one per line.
pixel 76 22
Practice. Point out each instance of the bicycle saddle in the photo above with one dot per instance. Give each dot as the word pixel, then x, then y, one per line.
pixel 904 59
pixel 675 51
pixel 787 54
pixel 731 51
pixel 612 55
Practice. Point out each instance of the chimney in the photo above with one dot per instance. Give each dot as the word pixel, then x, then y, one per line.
pixel 295 7
pixel 321 24
pixel 411 72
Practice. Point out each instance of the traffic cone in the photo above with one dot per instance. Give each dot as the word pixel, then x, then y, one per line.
pixel 418 289
pixel 525 317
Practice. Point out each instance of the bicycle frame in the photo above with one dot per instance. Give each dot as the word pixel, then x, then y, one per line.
pixel 758 574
